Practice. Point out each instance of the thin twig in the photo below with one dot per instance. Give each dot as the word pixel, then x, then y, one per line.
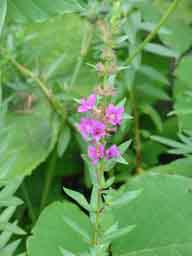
pixel 164 18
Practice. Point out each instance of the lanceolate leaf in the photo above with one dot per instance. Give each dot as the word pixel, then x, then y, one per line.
pixel 78 197
pixel 64 140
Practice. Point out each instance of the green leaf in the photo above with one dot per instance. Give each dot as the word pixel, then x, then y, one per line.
pixel 161 50
pixel 161 215
pixel 124 198
pixel 183 71
pixel 66 252
pixel 8 229
pixel 74 225
pixel 39 10
pixel 78 197
pixel 183 100
pixel 150 26
pixel 121 160
pixel 26 139
pixel 119 233
pixel 55 233
pixel 153 74
pixel 10 249
pixel 180 167
pixel 168 142
pixel 180 37
pixel 154 115
pixel 64 140
pixel 3 12
pixel 124 146
pixel 57 48
pixel 122 149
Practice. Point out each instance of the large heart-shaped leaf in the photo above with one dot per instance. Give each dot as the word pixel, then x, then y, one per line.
pixel 26 139
pixel 53 231
pixel 162 215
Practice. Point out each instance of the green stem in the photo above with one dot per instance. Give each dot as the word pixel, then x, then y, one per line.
pixel 137 133
pixel 56 105
pixel 48 179
pixel 164 18
pixel 99 202
pixel 28 202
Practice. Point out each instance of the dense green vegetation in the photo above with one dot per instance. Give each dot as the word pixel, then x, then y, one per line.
pixel 125 188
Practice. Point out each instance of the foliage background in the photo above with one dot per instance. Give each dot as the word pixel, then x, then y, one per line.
pixel 57 45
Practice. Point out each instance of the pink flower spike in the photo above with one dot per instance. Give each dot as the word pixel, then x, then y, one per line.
pixel 98 130
pixel 95 153
pixel 85 127
pixel 112 152
pixel 114 115
pixel 87 104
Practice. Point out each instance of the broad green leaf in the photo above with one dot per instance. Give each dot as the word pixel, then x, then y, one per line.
pixel 74 225
pixel 51 230
pixel 3 11
pixel 161 215
pixel 180 167
pixel 39 10
pixel 26 139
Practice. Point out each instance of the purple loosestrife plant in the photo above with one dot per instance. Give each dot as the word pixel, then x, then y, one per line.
pixel 99 119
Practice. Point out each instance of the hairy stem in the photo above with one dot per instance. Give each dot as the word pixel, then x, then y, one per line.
pixel 98 210
pixel 28 202
pixel 164 18
pixel 56 105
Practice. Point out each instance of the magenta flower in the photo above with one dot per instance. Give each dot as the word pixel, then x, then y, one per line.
pixel 87 104
pixel 95 153
pixel 114 114
pixel 112 152
pixel 98 130
pixel 90 127
pixel 85 127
